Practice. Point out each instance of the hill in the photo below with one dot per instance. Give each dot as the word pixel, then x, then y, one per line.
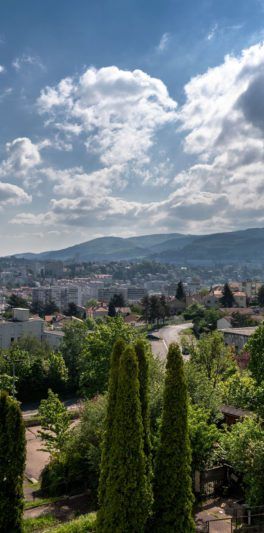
pixel 235 246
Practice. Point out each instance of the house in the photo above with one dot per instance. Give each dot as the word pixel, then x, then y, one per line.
pixel 97 312
pixel 224 323
pixel 240 298
pixel 232 414
pixel 22 325
pixel 237 337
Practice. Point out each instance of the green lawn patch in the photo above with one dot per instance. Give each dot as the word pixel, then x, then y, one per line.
pixel 79 525
pixel 42 523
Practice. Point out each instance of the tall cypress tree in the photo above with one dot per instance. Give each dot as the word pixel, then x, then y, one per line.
pixel 107 440
pixel 180 292
pixel 12 461
pixel 126 504
pixel 143 365
pixel 173 498
pixel 227 299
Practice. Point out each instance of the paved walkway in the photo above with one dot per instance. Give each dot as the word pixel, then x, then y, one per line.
pixel 167 334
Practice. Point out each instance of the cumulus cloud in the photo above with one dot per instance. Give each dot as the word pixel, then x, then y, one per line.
pixel 22 156
pixel 2 69
pixel 223 118
pixel 116 114
pixel 118 111
pixel 11 195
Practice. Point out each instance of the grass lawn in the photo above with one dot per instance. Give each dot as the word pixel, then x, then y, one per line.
pixel 49 524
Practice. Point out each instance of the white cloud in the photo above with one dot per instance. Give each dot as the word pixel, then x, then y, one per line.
pixel 118 111
pixel 2 69
pixel 116 114
pixel 27 59
pixel 164 42
pixel 22 156
pixel 11 195
pixel 212 32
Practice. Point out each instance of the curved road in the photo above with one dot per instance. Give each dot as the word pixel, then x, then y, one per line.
pixel 167 334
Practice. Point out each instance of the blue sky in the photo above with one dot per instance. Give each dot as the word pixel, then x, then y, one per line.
pixel 129 117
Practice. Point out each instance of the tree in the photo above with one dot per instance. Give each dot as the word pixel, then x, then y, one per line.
pixel 57 371
pixel 240 320
pixel 12 462
pixel 71 348
pixel 227 299
pixel 111 405
pixel 242 446
pixel 118 300
pixel 155 308
pixel 173 498
pixel 17 301
pixel 111 309
pixel 126 502
pixel 180 292
pixel 202 392
pixel 261 296
pixel 96 353
pixel 203 436
pixel 143 366
pixel 55 423
pixel 211 354
pixel 145 302
pixel 255 347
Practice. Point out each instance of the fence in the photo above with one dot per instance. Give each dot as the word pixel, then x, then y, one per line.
pixel 245 521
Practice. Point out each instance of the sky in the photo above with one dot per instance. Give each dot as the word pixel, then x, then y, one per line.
pixel 129 117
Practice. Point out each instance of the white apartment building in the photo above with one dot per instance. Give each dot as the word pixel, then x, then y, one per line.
pixel 23 326
pixel 60 295
pixel 20 326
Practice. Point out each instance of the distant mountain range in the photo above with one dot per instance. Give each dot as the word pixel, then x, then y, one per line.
pixel 235 246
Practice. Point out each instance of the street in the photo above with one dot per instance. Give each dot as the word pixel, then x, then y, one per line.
pixel 167 334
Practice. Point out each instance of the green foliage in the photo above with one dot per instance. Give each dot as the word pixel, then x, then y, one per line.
pixel 211 355
pixel 16 301
pixel 12 460
pixel 155 308
pixel 240 320
pixel 180 292
pixel 227 299
pixel 95 357
pixel 57 371
pixel 118 300
pixel 78 525
pixel 111 309
pixel 242 446
pixel 78 465
pixel 239 390
pixel 203 436
pixel 142 353
pixel 202 391
pixel 110 415
pixel 55 423
pixel 71 348
pixel 255 347
pixel 35 366
pixel 173 485
pixel 204 320
pixel 126 502
pixel 42 523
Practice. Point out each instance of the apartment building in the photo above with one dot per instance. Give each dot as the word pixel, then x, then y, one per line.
pixel 60 295
pixel 20 326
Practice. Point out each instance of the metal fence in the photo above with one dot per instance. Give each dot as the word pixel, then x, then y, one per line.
pixel 245 521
